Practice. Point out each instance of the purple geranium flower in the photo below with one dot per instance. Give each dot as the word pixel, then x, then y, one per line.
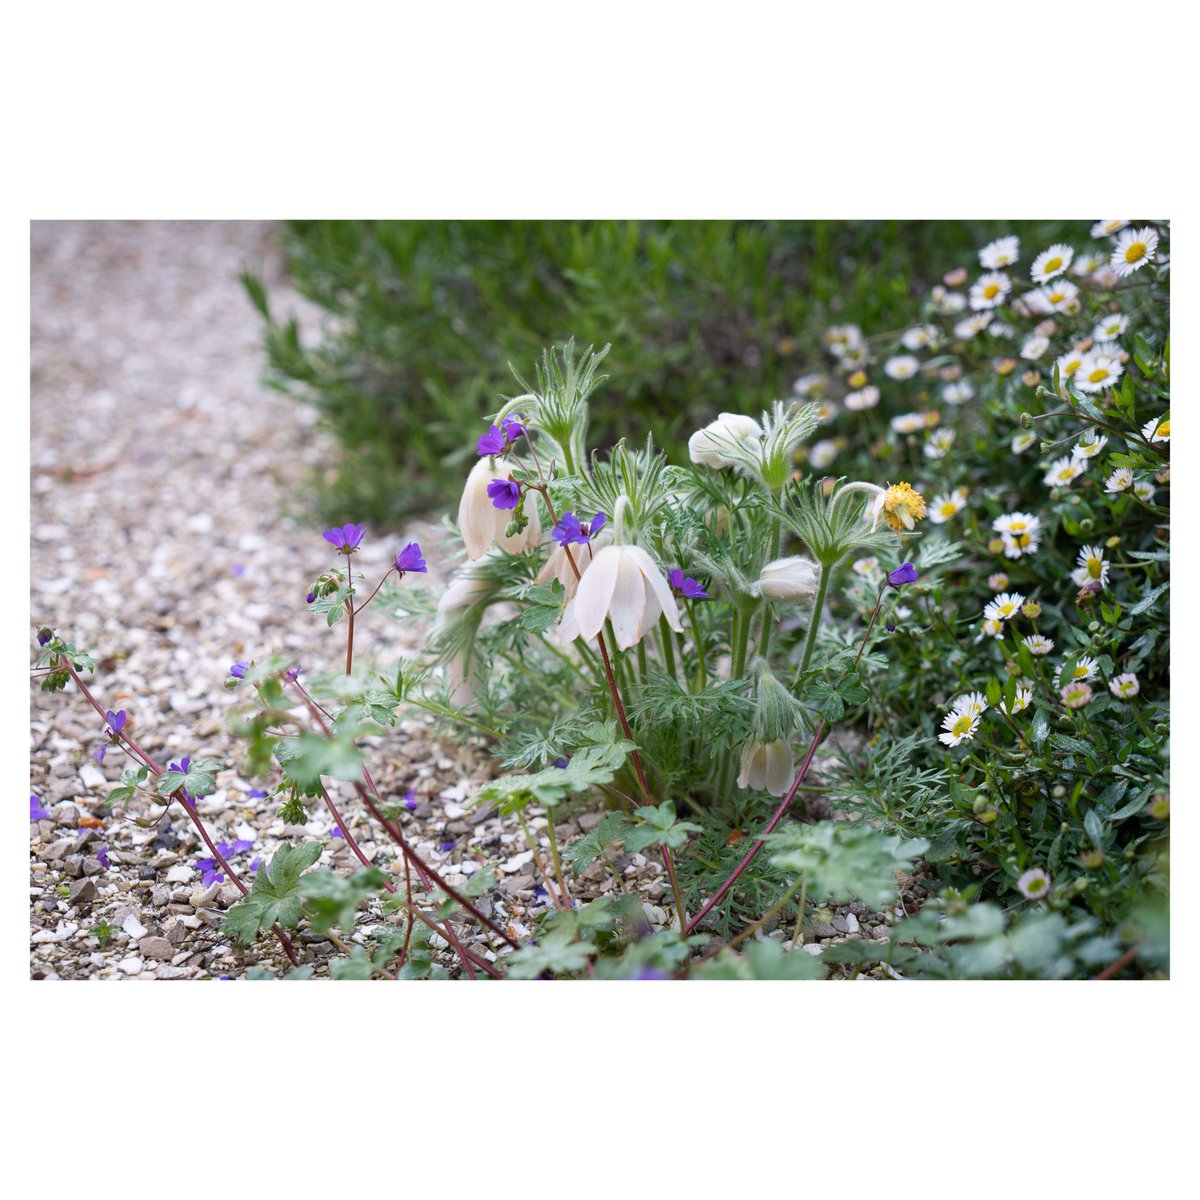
pixel 36 811
pixel 291 673
pixel 256 793
pixel 212 873
pixel 496 441
pixel 98 754
pixel 310 597
pixel 182 766
pixel 504 493
pixel 336 832
pixel 561 763
pixel 347 539
pixel 255 863
pixel 686 586
pixel 115 720
pixel 102 857
pixel 540 895
pixel 239 669
pixel 238 570
pixel 904 573
pixel 409 559
pixel 446 847
pixel 569 529
pixel 44 636
pixel 410 800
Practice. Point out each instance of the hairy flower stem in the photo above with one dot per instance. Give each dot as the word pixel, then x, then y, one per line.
pixel 624 721
pixel 764 634
pixel 350 634
pixel 818 606
pixel 284 940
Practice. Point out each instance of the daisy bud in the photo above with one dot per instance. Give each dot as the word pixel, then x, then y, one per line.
pixel 767 767
pixel 1026 420
pixel 956 277
pixel 1030 378
pixel 998 582
pixel 1032 609
pixel 788 579
pixel 995 546
pixel 704 446
pixel 1091 859
pixel 1113 542
pixel 858 379
pixel 1006 366
pixel 1159 807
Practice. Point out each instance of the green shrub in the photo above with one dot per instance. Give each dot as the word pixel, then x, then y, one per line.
pixel 424 318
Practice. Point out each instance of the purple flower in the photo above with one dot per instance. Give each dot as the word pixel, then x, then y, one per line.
pixel 409 559
pixel 115 720
pixel 685 586
pixel 239 669
pixel 504 493
pixel 512 428
pixel 183 766
pixel 650 973
pixel 496 441
pixel 540 895
pixel 310 597
pixel 446 847
pixel 36 811
pixel 347 539
pixel 255 863
pixel 212 873
pixel 98 754
pixel 561 763
pixel 102 857
pixel 256 793
pixel 410 800
pixel 569 529
pixel 44 636
pixel 227 850
pixel 238 570
pixel 336 832
pixel 904 573
pixel 890 626
pixel 290 674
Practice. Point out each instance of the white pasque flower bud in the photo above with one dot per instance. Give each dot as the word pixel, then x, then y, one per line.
pixel 767 767
pixel 623 583
pixel 788 579
pixel 708 445
pixel 482 523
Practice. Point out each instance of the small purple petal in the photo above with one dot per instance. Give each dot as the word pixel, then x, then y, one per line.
pixel 102 857
pixel 904 573
pixel 238 846
pixel 310 597
pixel 598 522
pixel 675 578
pixel 255 863
pixel 44 636
pixel 116 720
pixel 409 559
pixel 98 754
pixel 504 493
pixel 256 793
pixel 239 669
pixel 36 811
pixel 446 847
pixel 336 832
pixel 568 530
pixel 238 570
pixel 410 800
pixel 561 763
pixel 492 442
pixel 512 429
pixel 206 864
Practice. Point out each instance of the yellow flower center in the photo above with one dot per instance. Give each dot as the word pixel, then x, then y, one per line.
pixel 948 509
pixel 1095 566
pixel 1099 375
pixel 1021 539
pixel 963 725
pixel 1164 430
pixel 1052 265
pixel 1135 252
pixel 1080 673
pixel 991 291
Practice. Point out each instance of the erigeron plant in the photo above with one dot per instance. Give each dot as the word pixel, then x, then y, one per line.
pixel 664 645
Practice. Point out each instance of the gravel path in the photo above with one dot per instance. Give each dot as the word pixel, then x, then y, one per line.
pixel 170 537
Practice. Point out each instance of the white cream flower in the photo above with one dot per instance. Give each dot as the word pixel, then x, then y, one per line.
pixel 972 326
pixel 1097 371
pixel 1051 262
pixel 1089 445
pixel 1085 668
pixel 1063 470
pixel 1090 567
pixel 959 727
pixel 624 585
pixel 1003 252
pixel 1144 490
pixel 1038 644
pixel 809 385
pixel 1061 295
pixel 1088 263
pixel 1020 532
pixel 1076 695
pixel 990 290
pixel 1003 607
pixel 1021 701
pixel 710 444
pixel 908 422
pixel 972 703
pixel 866 397
pixel 1158 430
pixel 958 393
pixel 901 366
pixel 1125 687
pixel 1121 480
pixel 1034 347
pixel 1023 441
pixel 939 443
pixel 947 506
pixel 919 337
pixel 767 767
pixel 1110 328
pixel 788 579
pixel 557 566
pixel 1107 228
pixel 481 523
pixel 1134 249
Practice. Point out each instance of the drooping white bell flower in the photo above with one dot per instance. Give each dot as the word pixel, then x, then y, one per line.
pixel 709 445
pixel 482 523
pixel 767 767
pixel 788 579
pixel 557 566
pixel 624 584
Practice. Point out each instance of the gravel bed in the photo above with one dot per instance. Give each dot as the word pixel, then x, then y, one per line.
pixel 169 536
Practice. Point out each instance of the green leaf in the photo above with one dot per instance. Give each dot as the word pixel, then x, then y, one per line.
pixel 1148 601
pixel 589 766
pixel 556 952
pixel 660 829
pixel 764 959
pixel 357 966
pixel 1094 827
pixel 308 756
pixel 331 899
pixel 587 849
pixel 275 896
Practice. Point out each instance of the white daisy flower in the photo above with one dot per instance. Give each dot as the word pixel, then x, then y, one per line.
pixel 1090 567
pixel 999 329
pixel 1020 531
pixel 949 303
pixel 1088 263
pixel 990 628
pixel 1121 480
pixel 947 506
pixel 971 703
pixel 1051 262
pixel 1089 445
pixel 1021 701
pixel 1144 490
pixel 1035 347
pixel 1003 252
pixel 908 422
pixel 809 385
pixel 959 727
pixel 822 454
pixel 1023 441
pixel 1034 884
pixel 901 366
pixel 1063 470
pixel 998 582
pixel 990 290
pixel 1069 363
pixel 939 443
pixel 1158 430
pixel 919 337
pixel 1061 295
pixel 1004 606
pixel 840 337
pixel 971 326
pixel 868 567
pixel 1085 668
pixel 1098 371
pixel 866 397
pixel 1038 643
pixel 1110 328
pixel 1076 695
pixel 958 393
pixel 1107 228
pixel 1125 687
pixel 1134 249
pixel 826 412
